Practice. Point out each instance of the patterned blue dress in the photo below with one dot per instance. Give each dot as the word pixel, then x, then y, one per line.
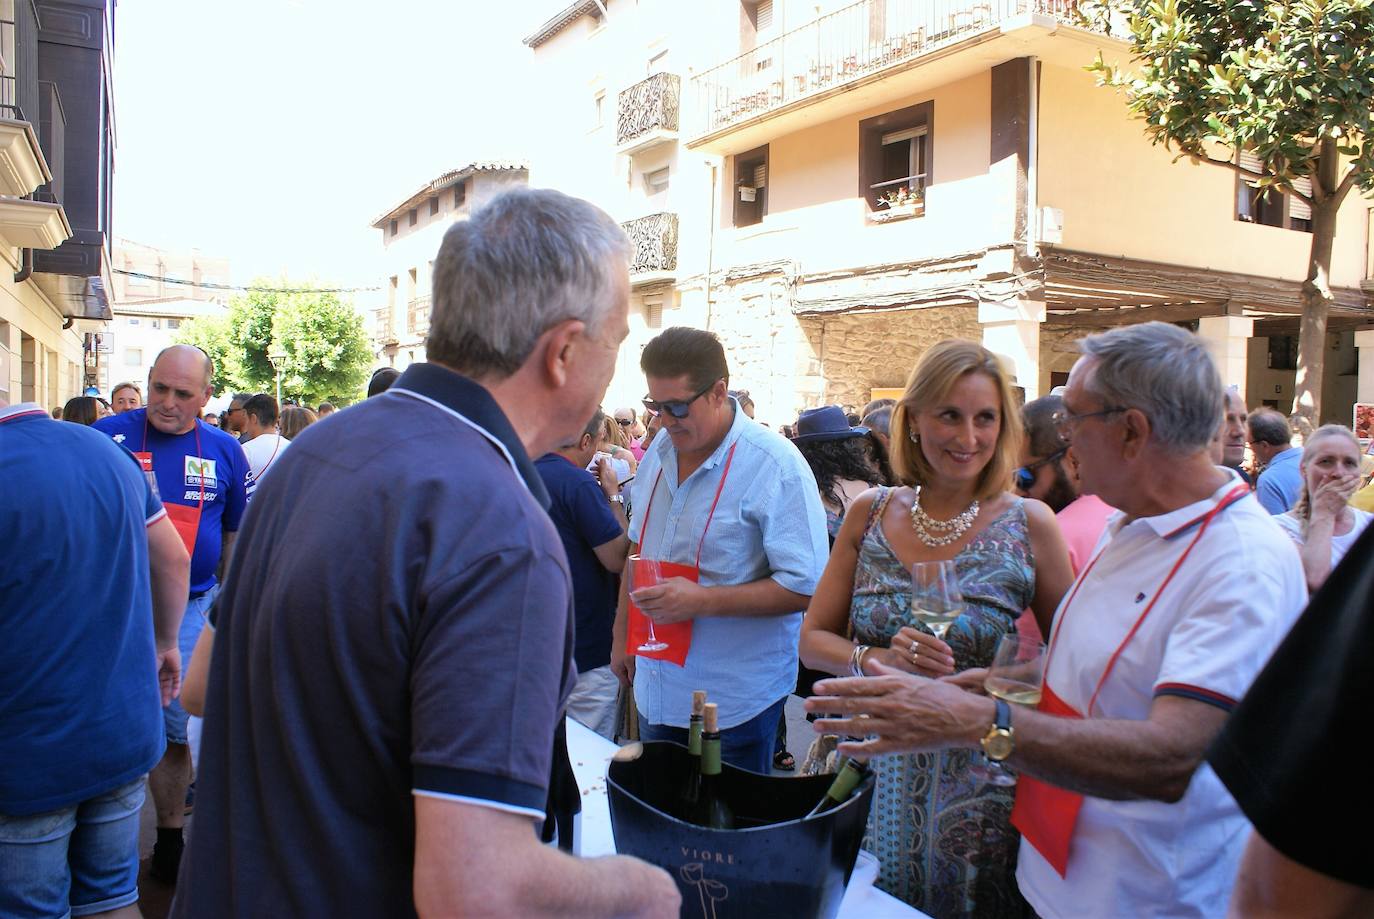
pixel 944 837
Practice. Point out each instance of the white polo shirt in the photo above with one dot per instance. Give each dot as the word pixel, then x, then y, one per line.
pixel 1212 630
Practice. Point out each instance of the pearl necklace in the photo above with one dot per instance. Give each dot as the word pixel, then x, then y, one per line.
pixel 936 533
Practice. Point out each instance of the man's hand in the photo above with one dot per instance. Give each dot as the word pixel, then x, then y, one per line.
pixel 169 673
pixel 673 600
pixel 899 712
pixel 622 664
pixel 606 477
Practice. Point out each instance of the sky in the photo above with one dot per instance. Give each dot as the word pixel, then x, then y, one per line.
pixel 272 132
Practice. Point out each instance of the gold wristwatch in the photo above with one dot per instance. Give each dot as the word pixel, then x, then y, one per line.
pixel 999 741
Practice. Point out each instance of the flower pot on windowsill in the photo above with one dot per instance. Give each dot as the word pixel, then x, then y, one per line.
pixel 899 212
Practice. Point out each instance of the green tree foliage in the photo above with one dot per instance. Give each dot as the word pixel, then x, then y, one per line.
pixel 328 354
pixel 1291 81
pixel 211 335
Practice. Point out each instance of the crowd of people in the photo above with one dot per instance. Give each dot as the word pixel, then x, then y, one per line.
pixel 428 580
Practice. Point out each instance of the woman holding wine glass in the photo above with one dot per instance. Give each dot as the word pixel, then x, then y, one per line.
pixel 943 836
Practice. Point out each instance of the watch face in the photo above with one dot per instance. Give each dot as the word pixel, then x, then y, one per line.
pixel 997 744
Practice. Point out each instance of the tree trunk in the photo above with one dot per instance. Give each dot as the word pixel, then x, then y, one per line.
pixel 1316 298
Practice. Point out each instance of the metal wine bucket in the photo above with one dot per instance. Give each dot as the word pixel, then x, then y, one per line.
pixel 775 863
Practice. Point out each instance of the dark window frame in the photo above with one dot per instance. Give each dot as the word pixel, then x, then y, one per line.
pixel 433 206
pixel 395 227
pixel 871 131
pixel 750 213
pixel 460 193
pixel 1270 208
pixel 413 217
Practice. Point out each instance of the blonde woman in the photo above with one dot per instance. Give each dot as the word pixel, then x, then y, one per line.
pixel 295 419
pixel 1322 523
pixel 943 837
pixel 616 442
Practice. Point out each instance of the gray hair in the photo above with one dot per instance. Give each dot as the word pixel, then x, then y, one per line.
pixel 1165 372
pixel 527 260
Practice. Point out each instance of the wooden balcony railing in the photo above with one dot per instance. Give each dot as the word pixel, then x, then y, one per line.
pixel 384 327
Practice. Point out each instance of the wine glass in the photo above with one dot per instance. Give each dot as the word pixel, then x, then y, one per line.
pixel 646 572
pixel 1017 675
pixel 936 600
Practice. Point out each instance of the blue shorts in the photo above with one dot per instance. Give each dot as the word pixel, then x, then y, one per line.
pixel 174 716
pixel 75 861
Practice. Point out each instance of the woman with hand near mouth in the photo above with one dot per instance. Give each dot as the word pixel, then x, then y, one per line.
pixel 943 837
pixel 1322 523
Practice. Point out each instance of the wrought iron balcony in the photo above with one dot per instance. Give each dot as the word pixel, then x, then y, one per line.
pixel 843 48
pixel 647 113
pixel 417 316
pixel 655 246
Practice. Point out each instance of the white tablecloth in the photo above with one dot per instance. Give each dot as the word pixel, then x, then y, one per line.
pixel 590 753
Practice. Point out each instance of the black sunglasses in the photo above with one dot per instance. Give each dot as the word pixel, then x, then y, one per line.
pixel 679 409
pixel 1025 476
pixel 623 422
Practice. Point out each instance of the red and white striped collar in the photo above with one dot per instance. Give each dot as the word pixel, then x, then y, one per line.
pixel 22 410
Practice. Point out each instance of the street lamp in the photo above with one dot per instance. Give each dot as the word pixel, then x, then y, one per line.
pixel 278 358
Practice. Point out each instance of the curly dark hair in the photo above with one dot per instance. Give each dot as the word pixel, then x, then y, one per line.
pixel 833 460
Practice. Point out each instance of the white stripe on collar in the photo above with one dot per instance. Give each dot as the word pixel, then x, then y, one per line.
pixel 470 423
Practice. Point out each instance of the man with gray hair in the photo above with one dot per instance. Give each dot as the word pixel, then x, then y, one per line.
pixel 1159 635
pixel 403 710
pixel 1279 483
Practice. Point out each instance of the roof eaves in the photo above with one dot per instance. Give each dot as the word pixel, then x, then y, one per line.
pixel 445 180
pixel 560 21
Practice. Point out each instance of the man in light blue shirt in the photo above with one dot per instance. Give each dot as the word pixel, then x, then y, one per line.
pixel 740 498
pixel 1279 485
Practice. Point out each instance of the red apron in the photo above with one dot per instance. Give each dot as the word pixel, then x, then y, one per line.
pixel 678 635
pixel 185 519
pixel 1045 814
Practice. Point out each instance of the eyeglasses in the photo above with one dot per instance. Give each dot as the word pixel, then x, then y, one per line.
pixel 1025 476
pixel 625 422
pixel 1066 422
pixel 679 409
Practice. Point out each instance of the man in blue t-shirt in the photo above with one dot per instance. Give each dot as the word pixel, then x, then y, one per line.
pixel 589 513
pixel 202 477
pixel 91 596
pixel 1279 485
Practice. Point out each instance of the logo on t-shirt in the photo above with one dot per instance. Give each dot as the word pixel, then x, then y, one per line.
pixel 119 438
pixel 200 472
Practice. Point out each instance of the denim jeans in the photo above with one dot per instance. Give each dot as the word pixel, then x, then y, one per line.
pixel 174 716
pixel 82 858
pixel 748 745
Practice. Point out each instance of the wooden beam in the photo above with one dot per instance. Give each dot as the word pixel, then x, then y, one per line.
pixel 1068 267
pixel 1179 312
pixel 1267 328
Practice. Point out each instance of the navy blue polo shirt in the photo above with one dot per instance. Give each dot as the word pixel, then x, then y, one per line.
pixel 80 712
pixel 397 622
pixel 583 517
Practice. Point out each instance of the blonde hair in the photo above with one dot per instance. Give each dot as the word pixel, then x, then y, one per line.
pixel 295 419
pixel 611 433
pixel 936 372
pixel 1302 508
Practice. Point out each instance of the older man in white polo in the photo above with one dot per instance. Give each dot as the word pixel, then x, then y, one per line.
pixel 1162 631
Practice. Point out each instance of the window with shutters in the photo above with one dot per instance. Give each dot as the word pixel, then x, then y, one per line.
pixel 895 156
pixel 433 206
pixel 751 187
pixel 1268 206
pixel 460 194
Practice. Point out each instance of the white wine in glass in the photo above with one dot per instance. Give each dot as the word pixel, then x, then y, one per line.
pixel 1017 674
pixel 936 600
pixel 646 572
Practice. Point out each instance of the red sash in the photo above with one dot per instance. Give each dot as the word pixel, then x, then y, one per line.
pixel 1045 814
pixel 185 519
pixel 677 635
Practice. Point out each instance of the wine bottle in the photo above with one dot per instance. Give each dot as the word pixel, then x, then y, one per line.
pixel 691 791
pixel 711 810
pixel 846 780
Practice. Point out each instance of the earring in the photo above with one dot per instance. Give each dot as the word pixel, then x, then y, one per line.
pixel 915 438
